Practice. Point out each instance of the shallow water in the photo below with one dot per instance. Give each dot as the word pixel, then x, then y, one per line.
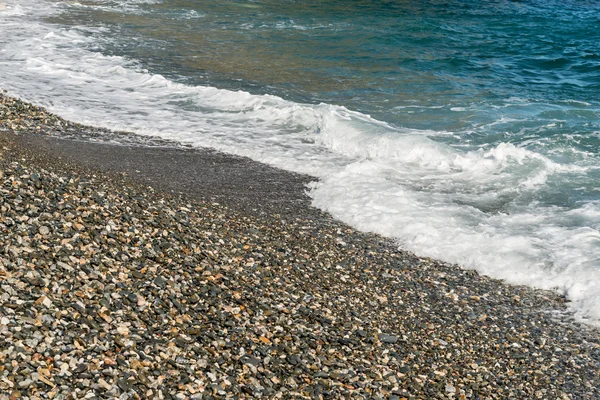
pixel 469 131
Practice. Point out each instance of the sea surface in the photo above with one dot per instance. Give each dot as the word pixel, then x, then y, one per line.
pixel 467 130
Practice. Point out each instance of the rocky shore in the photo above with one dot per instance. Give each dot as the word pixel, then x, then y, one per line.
pixel 112 289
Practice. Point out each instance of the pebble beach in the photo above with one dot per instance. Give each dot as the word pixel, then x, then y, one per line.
pixel 120 282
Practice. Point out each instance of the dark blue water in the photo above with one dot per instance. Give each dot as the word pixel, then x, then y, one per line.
pixel 480 73
pixel 468 130
pixel 534 61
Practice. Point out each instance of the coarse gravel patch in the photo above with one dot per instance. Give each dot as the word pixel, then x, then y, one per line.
pixel 109 289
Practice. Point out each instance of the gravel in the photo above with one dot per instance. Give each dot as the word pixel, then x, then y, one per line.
pixel 112 289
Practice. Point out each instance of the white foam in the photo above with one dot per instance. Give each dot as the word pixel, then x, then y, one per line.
pixel 481 208
pixel 546 248
pixel 129 7
pixel 11 9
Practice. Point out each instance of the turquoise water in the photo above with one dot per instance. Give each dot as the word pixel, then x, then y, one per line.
pixel 414 64
pixel 466 130
pixel 475 73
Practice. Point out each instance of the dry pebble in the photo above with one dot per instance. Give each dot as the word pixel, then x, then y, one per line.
pixel 112 290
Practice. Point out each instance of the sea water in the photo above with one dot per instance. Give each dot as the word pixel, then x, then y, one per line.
pixel 467 130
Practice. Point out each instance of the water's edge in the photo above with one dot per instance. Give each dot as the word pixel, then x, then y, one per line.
pixel 516 198
pixel 240 183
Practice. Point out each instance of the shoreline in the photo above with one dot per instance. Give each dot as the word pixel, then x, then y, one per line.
pixel 164 291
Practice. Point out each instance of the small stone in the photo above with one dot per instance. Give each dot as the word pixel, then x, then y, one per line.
pixel 391 339
pixel 25 384
pixel 264 340
pixel 109 361
pixel 450 389
pixel 15 395
pixel 47 302
pixel 294 360
pixel 80 368
pixel 132 297
pixel 123 330
pixel 160 282
pixel 181 361
pixel 43 300
pixel 252 361
pixel 137 274
pixel 104 385
pixel 124 385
